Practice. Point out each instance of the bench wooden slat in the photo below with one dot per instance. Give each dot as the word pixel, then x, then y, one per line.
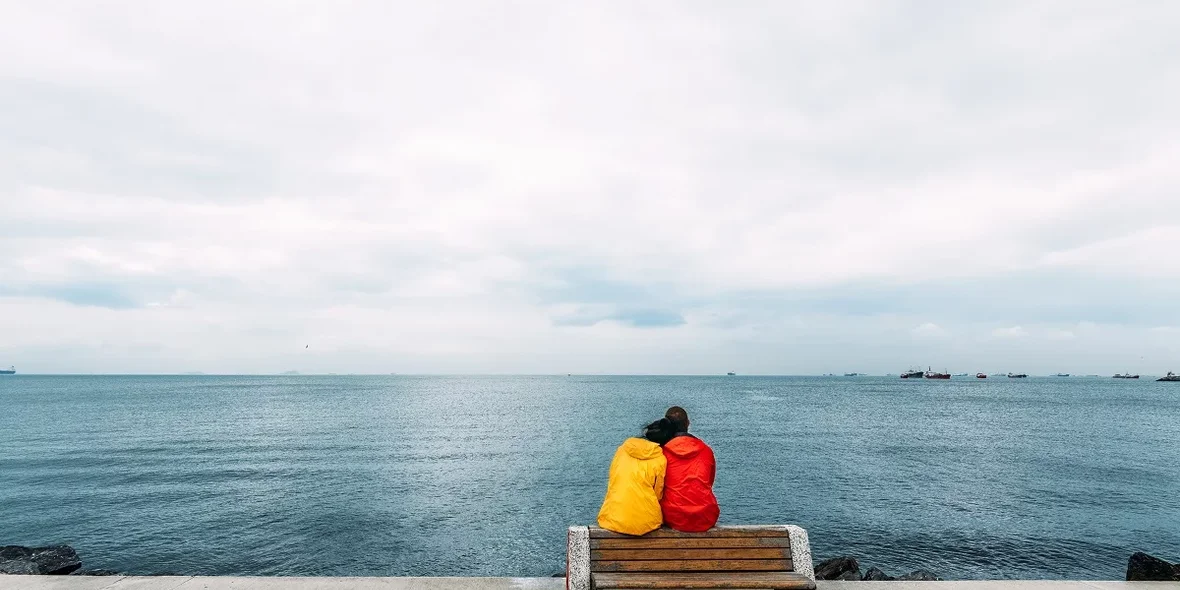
pixel 721 532
pixel 689 542
pixel 677 553
pixel 726 581
pixel 693 565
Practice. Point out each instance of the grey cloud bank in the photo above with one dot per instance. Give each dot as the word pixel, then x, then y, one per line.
pixel 656 188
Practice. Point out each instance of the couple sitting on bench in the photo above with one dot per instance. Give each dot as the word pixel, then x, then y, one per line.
pixel 664 478
pixel 657 526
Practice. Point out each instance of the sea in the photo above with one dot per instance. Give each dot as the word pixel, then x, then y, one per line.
pixel 1049 478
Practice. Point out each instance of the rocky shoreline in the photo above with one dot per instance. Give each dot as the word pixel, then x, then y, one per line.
pixel 1145 568
pixel 52 561
pixel 59 560
pixel 848 568
pixel 1141 567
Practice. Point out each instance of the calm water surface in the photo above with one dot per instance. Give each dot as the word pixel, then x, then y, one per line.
pixel 1037 478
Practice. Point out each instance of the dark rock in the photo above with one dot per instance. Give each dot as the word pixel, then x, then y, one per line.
pixel 1145 568
pixel 55 560
pixel 560 575
pixel 876 575
pixel 849 576
pixel 832 569
pixel 920 575
pixel 18 567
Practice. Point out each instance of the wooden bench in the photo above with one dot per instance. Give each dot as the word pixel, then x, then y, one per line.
pixel 768 557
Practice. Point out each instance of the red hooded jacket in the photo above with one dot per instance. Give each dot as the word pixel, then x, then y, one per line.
pixel 688 503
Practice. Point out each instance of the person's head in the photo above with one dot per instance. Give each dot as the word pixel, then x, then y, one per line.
pixel 679 417
pixel 660 431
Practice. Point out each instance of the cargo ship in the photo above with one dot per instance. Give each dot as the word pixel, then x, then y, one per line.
pixel 1169 377
pixel 912 374
pixel 1125 376
pixel 1017 375
pixel 936 375
pixel 8 371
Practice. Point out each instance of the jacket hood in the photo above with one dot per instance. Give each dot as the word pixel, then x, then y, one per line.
pixel 684 446
pixel 642 449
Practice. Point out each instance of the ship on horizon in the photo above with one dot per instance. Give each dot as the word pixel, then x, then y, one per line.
pixel 912 374
pixel 8 371
pixel 932 374
pixel 1169 377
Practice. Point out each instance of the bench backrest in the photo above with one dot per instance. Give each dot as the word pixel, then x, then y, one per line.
pixel 768 548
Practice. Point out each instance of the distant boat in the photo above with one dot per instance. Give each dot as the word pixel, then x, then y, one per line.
pixel 1017 375
pixel 936 375
pixel 1125 376
pixel 12 371
pixel 852 374
pixel 731 374
pixel 1061 375
pixel 981 375
pixel 1169 377
pixel 960 374
pixel 912 374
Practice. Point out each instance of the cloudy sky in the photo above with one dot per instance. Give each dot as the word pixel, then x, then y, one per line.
pixel 618 187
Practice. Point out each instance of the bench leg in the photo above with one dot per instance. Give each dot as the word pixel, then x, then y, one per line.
pixel 800 551
pixel 577 558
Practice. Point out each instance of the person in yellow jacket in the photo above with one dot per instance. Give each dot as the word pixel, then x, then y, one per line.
pixel 636 484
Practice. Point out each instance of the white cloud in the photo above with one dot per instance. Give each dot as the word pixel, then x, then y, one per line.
pixel 1057 334
pixel 929 330
pixel 1013 332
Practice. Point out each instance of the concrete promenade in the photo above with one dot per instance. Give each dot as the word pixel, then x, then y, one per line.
pixel 310 583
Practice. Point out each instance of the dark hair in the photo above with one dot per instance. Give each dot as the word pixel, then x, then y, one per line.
pixel 679 417
pixel 660 431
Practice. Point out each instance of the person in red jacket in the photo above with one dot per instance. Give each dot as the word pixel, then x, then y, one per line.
pixel 688 503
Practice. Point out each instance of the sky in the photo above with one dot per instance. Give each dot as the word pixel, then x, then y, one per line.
pixel 610 187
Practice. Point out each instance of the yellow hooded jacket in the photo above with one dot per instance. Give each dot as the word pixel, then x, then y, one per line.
pixel 632 504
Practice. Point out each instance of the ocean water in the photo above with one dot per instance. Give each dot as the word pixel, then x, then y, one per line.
pixel 400 475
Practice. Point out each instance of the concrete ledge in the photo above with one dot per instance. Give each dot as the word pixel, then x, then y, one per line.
pixel 271 583
pixel 310 583
pixel 999 585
